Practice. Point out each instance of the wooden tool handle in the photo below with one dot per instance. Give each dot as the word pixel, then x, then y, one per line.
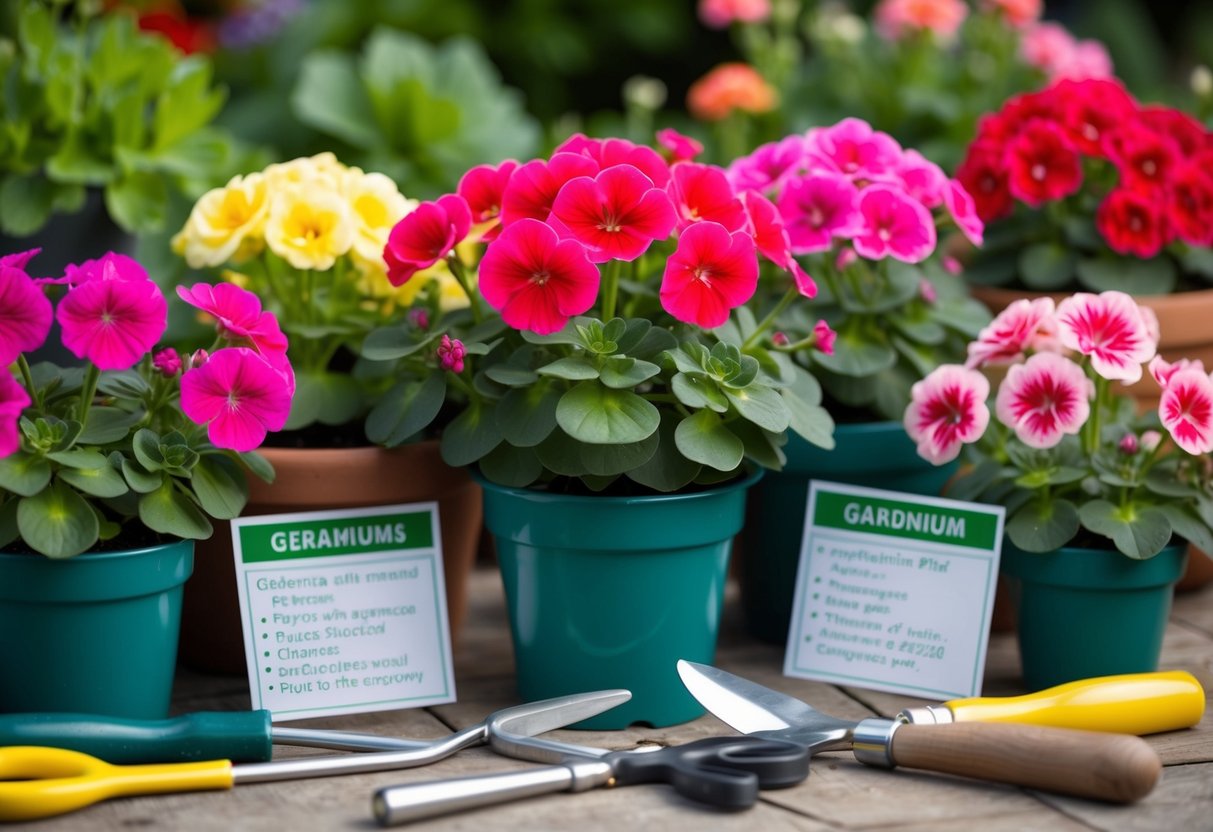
pixel 1115 767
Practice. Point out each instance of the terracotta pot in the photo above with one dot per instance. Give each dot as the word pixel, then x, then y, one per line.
pixel 327 478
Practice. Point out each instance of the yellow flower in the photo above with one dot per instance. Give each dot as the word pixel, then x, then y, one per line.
pixel 309 228
pixel 376 206
pixel 225 224
pixel 321 170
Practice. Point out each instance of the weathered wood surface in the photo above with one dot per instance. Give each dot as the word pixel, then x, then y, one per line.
pixel 840 794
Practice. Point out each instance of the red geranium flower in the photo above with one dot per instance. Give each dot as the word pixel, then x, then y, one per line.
pixel 1042 164
pixel 1132 223
pixel 1091 108
pixel 1190 201
pixel 1144 156
pixel 616 215
pixel 984 175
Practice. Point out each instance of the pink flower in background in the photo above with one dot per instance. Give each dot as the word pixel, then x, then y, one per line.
pixel 451 354
pixel 927 291
pixel 167 362
pixel 947 410
pixel 1019 13
pixel 13 400
pixel 769 166
pixel 238 312
pixel 817 209
pixel 112 322
pixel 25 313
pixel 426 235
pixel 702 192
pixel 1024 325
pixel 482 188
pixel 238 396
pixel 533 187
pixel 824 337
pixel 1186 410
pixel 1161 370
pixel 616 215
pixel 679 147
pixel 1110 329
pixel 610 153
pixel 771 238
pixel 536 280
pixel 895 19
pixel 855 150
pixel 1043 399
pixel 1052 49
pixel 718 14
pixel 894 226
pixel 923 179
pixel 964 212
pixel 709 274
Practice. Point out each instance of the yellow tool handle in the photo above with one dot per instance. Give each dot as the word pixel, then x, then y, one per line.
pixel 40 782
pixel 1136 703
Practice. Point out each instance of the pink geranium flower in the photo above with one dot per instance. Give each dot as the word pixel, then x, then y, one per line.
pixel 855 150
pixel 110 266
pixel 112 322
pixel 451 353
pixel 1024 325
pixel 964 211
pixel 824 337
pixel 709 274
pixel 818 208
pixel 718 14
pixel 536 280
pixel 238 312
pixel 426 235
pixel 19 259
pixel 616 215
pixel 766 227
pixel 25 313
pixel 609 153
pixel 947 410
pixel 13 400
pixel 533 187
pixel 679 148
pixel 482 188
pixel 1186 410
pixel 702 192
pixel 894 226
pixel 1110 329
pixel 1043 399
pixel 923 179
pixel 768 167
pixel 238 396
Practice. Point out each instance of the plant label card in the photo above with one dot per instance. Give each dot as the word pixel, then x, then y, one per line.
pixel 344 611
pixel 894 591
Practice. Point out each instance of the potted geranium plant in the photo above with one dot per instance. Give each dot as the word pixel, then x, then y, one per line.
pixel 866 218
pixel 618 401
pixel 1100 501
pixel 108 473
pixel 308 236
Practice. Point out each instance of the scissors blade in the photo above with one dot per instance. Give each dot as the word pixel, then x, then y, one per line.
pixel 741 704
pixel 533 718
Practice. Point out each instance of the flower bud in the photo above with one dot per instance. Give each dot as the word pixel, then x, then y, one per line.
pixel 1150 440
pixel 199 358
pixel 824 337
pixel 451 354
pixel 1129 444
pixel 779 339
pixel 167 362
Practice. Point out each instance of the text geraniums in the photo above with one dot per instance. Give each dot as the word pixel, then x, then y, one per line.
pixel 1082 186
pixel 623 348
pixel 1064 452
pixel 134 436
pixel 865 217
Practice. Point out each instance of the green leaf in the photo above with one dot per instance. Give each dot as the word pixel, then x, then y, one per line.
pixel 1156 276
pixel 696 390
pixel 667 469
pixel 24 473
pixel 327 398
pixel 330 96
pixel 27 201
pixel 76 161
pixel 762 446
pixel 511 466
pixel 1138 531
pixel 140 479
pixel 138 202
pixel 1043 527
pixel 146 445
pixel 572 368
pixel 127 384
pixel 57 522
pixel 702 437
pixel 168 511
pixel 471 435
pixel 390 343
pixel 105 425
pixel 623 372
pixel 612 460
pixel 812 422
pixel 186 104
pixel 258 465
pixel 971 484
pixel 857 356
pixel 1198 260
pixel 761 405
pixel 1188 524
pixel 220 486
pixel 96 482
pixel 561 454
pixel 527 415
pixel 406 410
pixel 1047 267
pixel 592 412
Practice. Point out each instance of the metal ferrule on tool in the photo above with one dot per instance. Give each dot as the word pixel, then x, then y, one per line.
pixel 872 742
pixel 927 715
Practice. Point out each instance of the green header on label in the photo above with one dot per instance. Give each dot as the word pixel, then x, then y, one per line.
pixel 336 536
pixel 909 520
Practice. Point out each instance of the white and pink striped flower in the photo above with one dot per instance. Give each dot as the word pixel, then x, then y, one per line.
pixel 1186 409
pixel 1111 330
pixel 1043 399
pixel 1162 370
pixel 1024 325
pixel 947 410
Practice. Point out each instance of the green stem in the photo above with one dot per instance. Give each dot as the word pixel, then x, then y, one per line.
pixel 28 377
pixel 1093 428
pixel 770 318
pixel 610 289
pixel 89 389
pixel 461 276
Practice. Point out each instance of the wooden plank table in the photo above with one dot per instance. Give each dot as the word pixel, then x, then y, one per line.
pixel 840 794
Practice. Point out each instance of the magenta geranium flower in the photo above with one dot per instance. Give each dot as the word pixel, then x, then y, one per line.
pixel 923 179
pixel 894 226
pixel 818 208
pixel 426 235
pixel 855 150
pixel 482 188
pixel 533 187
pixel 616 215
pixel 711 273
pixel 963 210
pixel 25 314
pixel 609 153
pixel 238 312
pixel 947 410
pixel 13 400
pixel 766 227
pixel 19 259
pixel 536 280
pixel 824 337
pixel 1024 325
pixel 1110 329
pixel 680 148
pixel 1043 399
pixel 112 322
pixel 767 168
pixel 1186 410
pixel 702 192
pixel 110 266
pixel 238 396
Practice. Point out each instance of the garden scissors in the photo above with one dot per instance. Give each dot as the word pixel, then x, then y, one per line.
pixel 51 781
pixel 726 772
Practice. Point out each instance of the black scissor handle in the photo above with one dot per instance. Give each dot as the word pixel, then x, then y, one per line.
pixel 726 772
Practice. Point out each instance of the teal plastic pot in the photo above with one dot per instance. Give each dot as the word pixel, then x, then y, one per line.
pixel 96 633
pixel 610 592
pixel 872 454
pixel 1089 612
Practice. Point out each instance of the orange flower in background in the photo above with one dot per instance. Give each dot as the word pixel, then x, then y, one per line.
pixel 1019 13
pixel 895 19
pixel 729 87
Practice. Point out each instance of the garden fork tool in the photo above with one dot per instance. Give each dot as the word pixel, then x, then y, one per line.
pixel 43 782
pixel 1115 767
